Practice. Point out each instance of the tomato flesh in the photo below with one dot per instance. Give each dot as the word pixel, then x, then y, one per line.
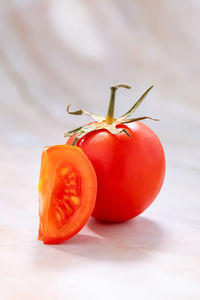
pixel 130 171
pixel 67 192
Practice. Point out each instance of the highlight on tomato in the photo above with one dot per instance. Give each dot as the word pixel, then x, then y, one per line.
pixel 67 192
pixel 128 159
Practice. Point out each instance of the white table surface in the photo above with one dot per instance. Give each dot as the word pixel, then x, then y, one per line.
pixel 43 68
pixel 155 256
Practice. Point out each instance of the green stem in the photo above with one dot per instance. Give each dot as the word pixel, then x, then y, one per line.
pixel 111 107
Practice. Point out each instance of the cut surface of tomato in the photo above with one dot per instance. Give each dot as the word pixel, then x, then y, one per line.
pixel 67 192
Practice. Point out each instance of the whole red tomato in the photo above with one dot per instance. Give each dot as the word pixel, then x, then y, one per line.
pixel 129 162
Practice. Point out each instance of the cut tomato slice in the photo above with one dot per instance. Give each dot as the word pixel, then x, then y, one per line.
pixel 67 192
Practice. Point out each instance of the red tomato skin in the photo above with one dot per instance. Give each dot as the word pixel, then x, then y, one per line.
pixel 130 171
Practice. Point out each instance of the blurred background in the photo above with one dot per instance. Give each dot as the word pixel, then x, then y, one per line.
pixel 59 52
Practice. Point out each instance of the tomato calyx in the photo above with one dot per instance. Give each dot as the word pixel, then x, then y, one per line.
pixel 109 123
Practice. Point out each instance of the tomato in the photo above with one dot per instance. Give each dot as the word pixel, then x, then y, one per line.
pixel 130 171
pixel 129 162
pixel 67 192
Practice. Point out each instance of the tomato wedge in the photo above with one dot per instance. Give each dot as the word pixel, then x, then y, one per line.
pixel 67 192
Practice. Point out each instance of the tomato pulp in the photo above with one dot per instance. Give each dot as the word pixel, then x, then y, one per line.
pixel 67 192
pixel 130 171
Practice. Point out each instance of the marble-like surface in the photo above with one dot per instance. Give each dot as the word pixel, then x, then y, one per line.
pixel 57 52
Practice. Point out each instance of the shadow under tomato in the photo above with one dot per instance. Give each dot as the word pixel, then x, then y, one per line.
pixel 140 232
pixel 133 240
